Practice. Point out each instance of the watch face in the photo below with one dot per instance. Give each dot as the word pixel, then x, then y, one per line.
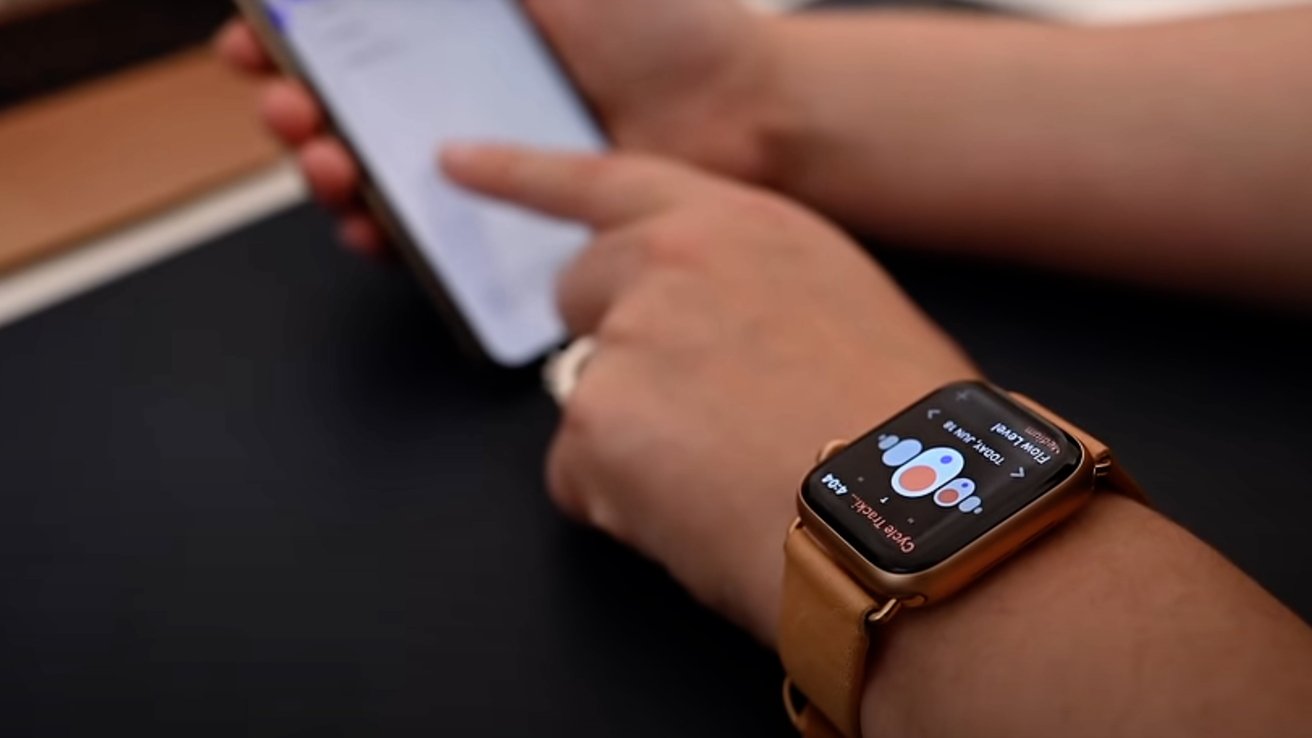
pixel 933 480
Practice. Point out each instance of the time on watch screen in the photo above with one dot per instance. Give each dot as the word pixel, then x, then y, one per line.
pixel 932 481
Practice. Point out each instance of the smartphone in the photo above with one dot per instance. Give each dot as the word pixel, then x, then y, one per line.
pixel 398 78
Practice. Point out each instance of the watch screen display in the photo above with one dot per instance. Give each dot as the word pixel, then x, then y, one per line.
pixel 933 480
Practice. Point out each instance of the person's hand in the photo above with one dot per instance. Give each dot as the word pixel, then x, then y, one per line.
pixel 737 334
pixel 679 77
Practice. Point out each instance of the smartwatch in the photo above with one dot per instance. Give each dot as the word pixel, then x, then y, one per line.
pixel 910 514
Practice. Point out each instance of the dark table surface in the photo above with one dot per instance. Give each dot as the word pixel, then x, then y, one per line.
pixel 254 491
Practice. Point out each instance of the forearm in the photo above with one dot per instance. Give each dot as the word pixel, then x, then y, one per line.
pixel 1167 153
pixel 1120 624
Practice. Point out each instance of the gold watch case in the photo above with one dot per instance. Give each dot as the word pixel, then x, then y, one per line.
pixel 970 563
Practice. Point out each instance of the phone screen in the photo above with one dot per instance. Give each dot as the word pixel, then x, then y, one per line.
pixel 400 78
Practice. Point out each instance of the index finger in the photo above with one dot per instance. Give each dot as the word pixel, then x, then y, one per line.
pixel 600 190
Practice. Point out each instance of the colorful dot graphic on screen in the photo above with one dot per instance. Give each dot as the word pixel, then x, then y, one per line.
pixel 922 474
pixel 918 478
pixel 958 493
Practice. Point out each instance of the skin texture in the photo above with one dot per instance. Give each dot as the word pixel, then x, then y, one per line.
pixel 679 77
pixel 713 297
pixel 663 290
pixel 1121 624
pixel 739 331
pixel 1171 154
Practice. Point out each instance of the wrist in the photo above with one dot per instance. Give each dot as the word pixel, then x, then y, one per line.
pixel 860 118
pixel 1013 628
pixel 776 123
pixel 752 125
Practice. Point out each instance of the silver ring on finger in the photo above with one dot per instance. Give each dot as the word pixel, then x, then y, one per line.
pixel 562 372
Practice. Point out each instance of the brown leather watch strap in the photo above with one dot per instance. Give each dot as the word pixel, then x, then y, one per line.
pixel 826 617
pixel 824 637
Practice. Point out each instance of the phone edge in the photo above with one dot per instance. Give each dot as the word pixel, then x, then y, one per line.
pixel 432 282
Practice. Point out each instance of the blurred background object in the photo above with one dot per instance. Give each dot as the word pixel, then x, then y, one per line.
pixel 14 9
pixel 49 44
pixel 174 128
pixel 170 122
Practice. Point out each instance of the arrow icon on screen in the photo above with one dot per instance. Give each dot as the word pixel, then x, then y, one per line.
pixel 935 413
pixel 1019 473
